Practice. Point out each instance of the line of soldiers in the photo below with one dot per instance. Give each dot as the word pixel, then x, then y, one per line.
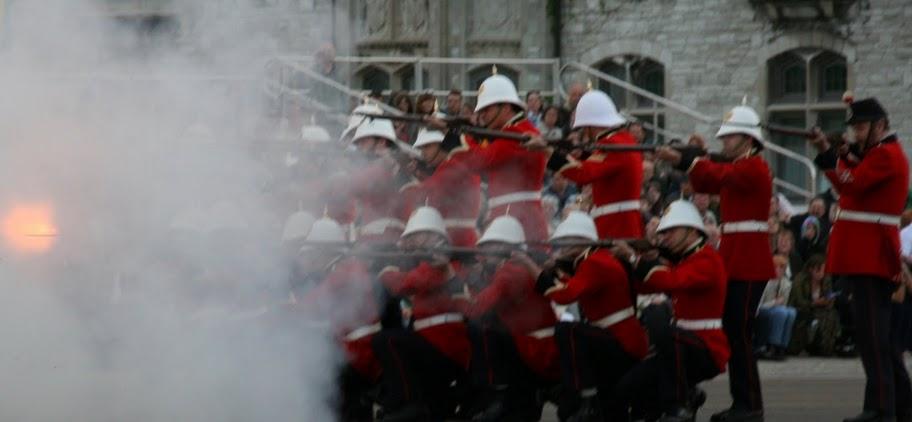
pixel 530 318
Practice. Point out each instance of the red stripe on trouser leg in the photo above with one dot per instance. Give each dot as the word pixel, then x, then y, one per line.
pixel 405 385
pixel 748 349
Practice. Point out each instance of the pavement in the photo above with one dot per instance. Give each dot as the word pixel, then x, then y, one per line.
pixel 800 389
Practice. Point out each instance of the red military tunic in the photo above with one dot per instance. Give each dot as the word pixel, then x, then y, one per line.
pixel 376 190
pixel 697 289
pixel 526 314
pixel 355 323
pixel 601 288
pixel 616 180
pixel 746 188
pixel 433 304
pixel 873 188
pixel 456 193
pixel 515 178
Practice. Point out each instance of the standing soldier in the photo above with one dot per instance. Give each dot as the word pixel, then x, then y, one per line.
pixel 597 352
pixel 871 175
pixel 745 186
pixel 452 188
pixel 515 174
pixel 693 347
pixel 513 345
pixel 616 178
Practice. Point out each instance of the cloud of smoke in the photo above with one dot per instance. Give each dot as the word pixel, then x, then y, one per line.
pixel 158 297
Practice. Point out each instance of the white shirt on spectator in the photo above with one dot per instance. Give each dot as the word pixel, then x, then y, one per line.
pixel 905 240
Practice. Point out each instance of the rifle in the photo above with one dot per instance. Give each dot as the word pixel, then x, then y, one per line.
pixel 461 124
pixel 638 244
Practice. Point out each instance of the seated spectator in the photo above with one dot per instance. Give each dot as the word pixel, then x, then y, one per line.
pixel 562 189
pixel 816 208
pixel 652 224
pixel 817 323
pixel 534 106
pixel 426 104
pixel 549 126
pixel 775 318
pixel 405 131
pixel 552 210
pixel 713 231
pixel 453 103
pixel 785 246
pixel 813 239
pixel 653 203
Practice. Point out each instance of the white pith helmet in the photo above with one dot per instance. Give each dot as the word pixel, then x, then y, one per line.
pixel 325 230
pixel 681 213
pixel 356 119
pixel 381 128
pixel 595 108
pixel 497 89
pixel 297 226
pixel 505 228
pixel 425 219
pixel 577 225
pixel 428 137
pixel 741 120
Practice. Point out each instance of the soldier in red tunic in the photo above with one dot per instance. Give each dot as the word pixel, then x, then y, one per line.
pixel 515 174
pixel 872 178
pixel 616 178
pixel 421 361
pixel 693 348
pixel 745 186
pixel 596 352
pixel 452 188
pixel 512 334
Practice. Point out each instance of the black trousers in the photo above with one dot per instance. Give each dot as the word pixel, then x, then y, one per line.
pixel 665 379
pixel 497 368
pixel 353 405
pixel 414 371
pixel 741 301
pixel 887 387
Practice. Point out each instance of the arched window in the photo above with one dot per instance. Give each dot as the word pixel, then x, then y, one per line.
pixel 804 89
pixel 374 78
pixel 644 73
pixel 407 79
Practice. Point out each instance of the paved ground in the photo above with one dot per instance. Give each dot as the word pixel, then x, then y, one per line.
pixel 797 390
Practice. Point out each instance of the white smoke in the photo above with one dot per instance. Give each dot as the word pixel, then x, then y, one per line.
pixel 159 299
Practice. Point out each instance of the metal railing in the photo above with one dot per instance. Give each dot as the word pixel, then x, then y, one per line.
pixel 704 119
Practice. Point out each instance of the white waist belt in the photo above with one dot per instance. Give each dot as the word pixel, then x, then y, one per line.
pixel 542 333
pixel 363 331
pixel 615 207
pixel 513 197
pixel 435 320
pixel 615 318
pixel 868 217
pixel 460 223
pixel 747 226
pixel 699 324
pixel 380 225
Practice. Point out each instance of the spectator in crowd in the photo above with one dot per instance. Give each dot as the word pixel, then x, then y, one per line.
pixel 775 318
pixel 562 189
pixel 552 209
pixel 375 95
pixel 468 111
pixel 649 231
pixel 901 327
pixel 405 131
pixel 816 208
pixel 713 231
pixel 813 238
pixel 649 171
pixel 653 203
pixel 574 93
pixel 785 246
pixel 636 129
pixel 534 106
pixel 549 124
pixel 817 323
pixel 426 104
pixel 453 103
pixel 324 63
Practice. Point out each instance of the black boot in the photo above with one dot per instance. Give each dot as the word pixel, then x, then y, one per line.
pixel 744 416
pixel 720 416
pixel 680 414
pixel 413 412
pixel 589 411
pixel 870 416
pixel 496 410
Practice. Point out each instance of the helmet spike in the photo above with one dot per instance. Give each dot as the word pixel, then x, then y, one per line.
pixel 493 69
pixel 744 100
pixel 589 85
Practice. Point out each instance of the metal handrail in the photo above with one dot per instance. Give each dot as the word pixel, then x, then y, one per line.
pixel 705 119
